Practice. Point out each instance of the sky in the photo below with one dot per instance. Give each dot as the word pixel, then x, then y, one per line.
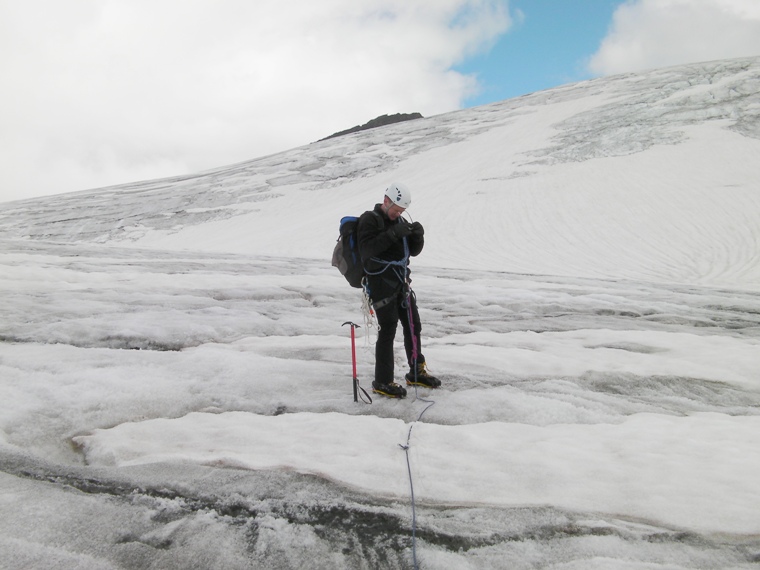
pixel 105 92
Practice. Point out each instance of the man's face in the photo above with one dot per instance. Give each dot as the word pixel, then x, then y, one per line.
pixel 394 212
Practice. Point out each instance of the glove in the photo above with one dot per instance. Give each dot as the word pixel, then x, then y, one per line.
pixel 417 229
pixel 400 230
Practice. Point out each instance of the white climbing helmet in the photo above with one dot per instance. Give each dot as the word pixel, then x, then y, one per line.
pixel 399 195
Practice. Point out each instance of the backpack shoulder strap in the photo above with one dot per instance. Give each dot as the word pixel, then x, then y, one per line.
pixel 377 216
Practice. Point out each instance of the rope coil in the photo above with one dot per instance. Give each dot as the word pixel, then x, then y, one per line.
pixel 370 319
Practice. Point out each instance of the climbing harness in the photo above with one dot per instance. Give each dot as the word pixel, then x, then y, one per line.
pixel 400 269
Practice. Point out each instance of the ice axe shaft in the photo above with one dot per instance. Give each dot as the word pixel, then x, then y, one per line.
pixel 353 357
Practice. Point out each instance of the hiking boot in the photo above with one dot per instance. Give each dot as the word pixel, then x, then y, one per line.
pixel 391 390
pixel 424 378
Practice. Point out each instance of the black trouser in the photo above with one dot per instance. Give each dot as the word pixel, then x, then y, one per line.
pixel 390 312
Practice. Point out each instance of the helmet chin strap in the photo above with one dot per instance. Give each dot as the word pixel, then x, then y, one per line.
pixel 388 204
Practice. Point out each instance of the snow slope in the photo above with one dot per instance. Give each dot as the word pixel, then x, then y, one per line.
pixel 175 382
pixel 646 176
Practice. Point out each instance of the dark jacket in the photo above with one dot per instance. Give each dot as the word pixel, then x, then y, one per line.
pixel 378 245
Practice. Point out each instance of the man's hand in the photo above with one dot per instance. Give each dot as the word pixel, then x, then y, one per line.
pixel 417 229
pixel 400 230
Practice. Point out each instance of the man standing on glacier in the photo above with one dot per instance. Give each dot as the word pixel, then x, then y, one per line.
pixel 386 242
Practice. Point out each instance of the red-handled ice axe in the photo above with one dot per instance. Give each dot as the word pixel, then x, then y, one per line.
pixel 353 361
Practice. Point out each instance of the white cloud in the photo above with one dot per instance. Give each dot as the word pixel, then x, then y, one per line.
pixel 100 92
pixel 657 33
